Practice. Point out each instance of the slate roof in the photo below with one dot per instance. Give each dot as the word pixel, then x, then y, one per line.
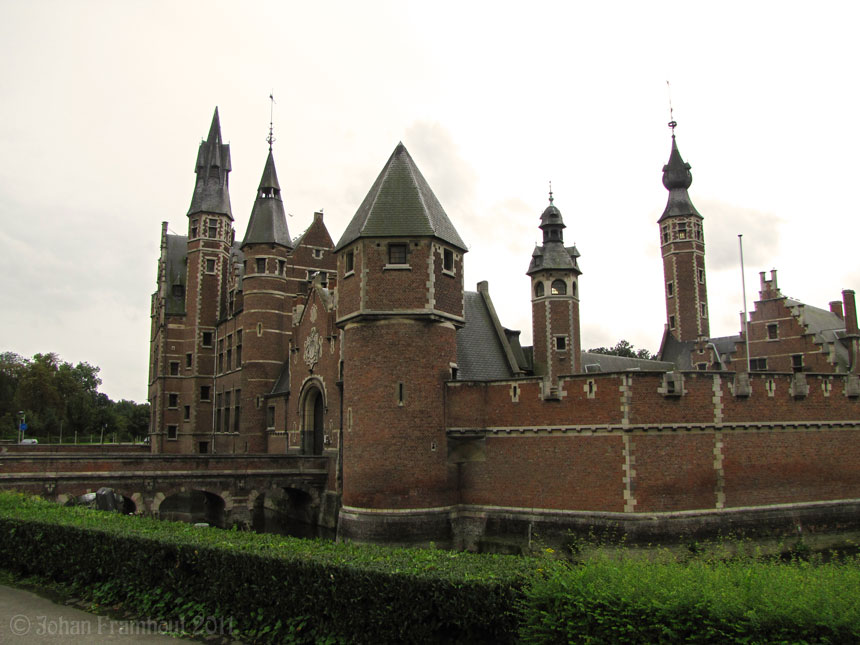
pixel 679 353
pixel 480 354
pixel 553 254
pixel 282 385
pixel 592 362
pixel 176 272
pixel 400 204
pixel 677 178
pixel 268 223
pixel 826 327
pixel 211 190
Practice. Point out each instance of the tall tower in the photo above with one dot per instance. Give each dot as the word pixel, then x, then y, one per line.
pixel 682 242
pixel 268 300
pixel 400 303
pixel 210 235
pixel 555 300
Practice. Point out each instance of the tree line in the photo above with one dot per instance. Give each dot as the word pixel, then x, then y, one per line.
pixel 59 399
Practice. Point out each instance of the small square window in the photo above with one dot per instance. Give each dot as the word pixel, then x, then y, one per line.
pixel 448 260
pixel 205 393
pixel 174 368
pixel 173 400
pixel 210 265
pixel 177 291
pixel 349 262
pixel 397 254
pixel 561 343
pixel 172 431
pixel 261 265
pixel 206 339
pixel 772 331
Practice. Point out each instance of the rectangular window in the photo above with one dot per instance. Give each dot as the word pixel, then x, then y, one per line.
pixel 220 362
pixel 172 432
pixel 448 260
pixel 270 417
pixel 210 265
pixel 670 289
pixel 188 358
pixel 682 230
pixel 213 228
pixel 318 253
pixel 665 233
pixel 703 307
pixel 237 410
pixel 758 364
pixel 396 254
pixel 701 276
pixel 193 229
pixel 561 343
pixel 261 265
pixel 229 359
pixel 797 362
pixel 174 368
pixel 186 412
pixel 772 331
pixel 206 340
pixel 282 267
pixel 239 348
pixel 173 400
pixel 671 322
pixel 205 392
pixel 349 262
pixel 178 291
pixel 203 447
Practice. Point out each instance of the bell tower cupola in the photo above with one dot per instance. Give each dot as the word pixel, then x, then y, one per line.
pixel 682 244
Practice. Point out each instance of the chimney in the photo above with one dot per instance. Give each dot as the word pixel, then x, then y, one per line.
pixel 836 308
pixel 773 284
pixel 850 312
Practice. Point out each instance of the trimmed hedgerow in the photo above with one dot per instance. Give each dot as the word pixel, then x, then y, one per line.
pixel 266 588
pixel 612 599
pixel 270 588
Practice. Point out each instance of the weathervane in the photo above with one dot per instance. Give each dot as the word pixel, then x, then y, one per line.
pixel 550 192
pixel 672 122
pixel 271 138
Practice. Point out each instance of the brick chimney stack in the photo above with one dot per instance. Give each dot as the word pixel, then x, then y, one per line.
pixel 850 312
pixel 836 308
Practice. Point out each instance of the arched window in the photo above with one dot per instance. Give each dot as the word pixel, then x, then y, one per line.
pixel 559 288
pixel 539 290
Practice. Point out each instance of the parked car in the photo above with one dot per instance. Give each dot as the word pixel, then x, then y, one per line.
pixel 29 442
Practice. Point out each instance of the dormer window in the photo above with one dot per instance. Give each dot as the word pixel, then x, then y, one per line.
pixel 397 254
pixel 558 288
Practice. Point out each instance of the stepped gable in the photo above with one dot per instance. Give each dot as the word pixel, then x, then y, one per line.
pixel 268 223
pixel 401 204
pixel 212 188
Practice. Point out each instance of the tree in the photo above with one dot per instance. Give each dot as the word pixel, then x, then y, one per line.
pixel 624 348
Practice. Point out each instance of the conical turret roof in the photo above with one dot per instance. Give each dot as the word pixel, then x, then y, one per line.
pixel 212 188
pixel 401 204
pixel 268 223
pixel 677 178
pixel 553 255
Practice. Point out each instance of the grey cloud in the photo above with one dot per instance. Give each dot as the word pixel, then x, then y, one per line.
pixel 724 222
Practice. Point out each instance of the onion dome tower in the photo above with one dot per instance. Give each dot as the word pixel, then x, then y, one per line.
pixel 554 274
pixel 682 243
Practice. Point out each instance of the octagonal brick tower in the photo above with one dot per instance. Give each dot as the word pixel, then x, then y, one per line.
pixel 400 303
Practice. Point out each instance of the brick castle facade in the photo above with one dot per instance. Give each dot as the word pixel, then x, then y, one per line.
pixel 439 426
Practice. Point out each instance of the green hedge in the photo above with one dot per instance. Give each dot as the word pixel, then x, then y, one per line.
pixel 618 599
pixel 271 588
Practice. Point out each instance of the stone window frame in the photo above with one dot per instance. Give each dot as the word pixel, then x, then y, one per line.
pixel 540 289
pixel 670 289
pixel 173 400
pixel 448 259
pixel 212 228
pixel 260 265
pixel 173 367
pixel 172 432
pixel 349 263
pixel 774 328
pixel 758 364
pixel 558 287
pixel 397 251
pixel 210 265
pixel 205 392
pixel 560 343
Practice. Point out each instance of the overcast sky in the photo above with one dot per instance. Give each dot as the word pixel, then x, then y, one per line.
pixel 103 105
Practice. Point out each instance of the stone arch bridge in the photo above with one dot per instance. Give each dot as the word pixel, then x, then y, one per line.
pixel 234 484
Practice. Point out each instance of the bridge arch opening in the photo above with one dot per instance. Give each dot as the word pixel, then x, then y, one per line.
pixel 289 511
pixel 313 419
pixel 194 506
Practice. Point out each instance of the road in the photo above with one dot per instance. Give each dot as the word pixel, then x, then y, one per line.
pixel 27 618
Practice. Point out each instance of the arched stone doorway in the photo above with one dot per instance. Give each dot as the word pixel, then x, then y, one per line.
pixel 313 420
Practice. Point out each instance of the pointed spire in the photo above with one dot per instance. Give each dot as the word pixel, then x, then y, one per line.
pixel 677 178
pixel 211 190
pixel 268 223
pixel 401 204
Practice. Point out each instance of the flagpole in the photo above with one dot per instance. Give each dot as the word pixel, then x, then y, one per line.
pixel 744 285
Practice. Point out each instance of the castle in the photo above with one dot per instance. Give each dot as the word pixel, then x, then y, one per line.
pixel 439 426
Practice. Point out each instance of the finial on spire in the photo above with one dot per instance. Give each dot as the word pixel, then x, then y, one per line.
pixel 271 138
pixel 672 122
pixel 550 192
